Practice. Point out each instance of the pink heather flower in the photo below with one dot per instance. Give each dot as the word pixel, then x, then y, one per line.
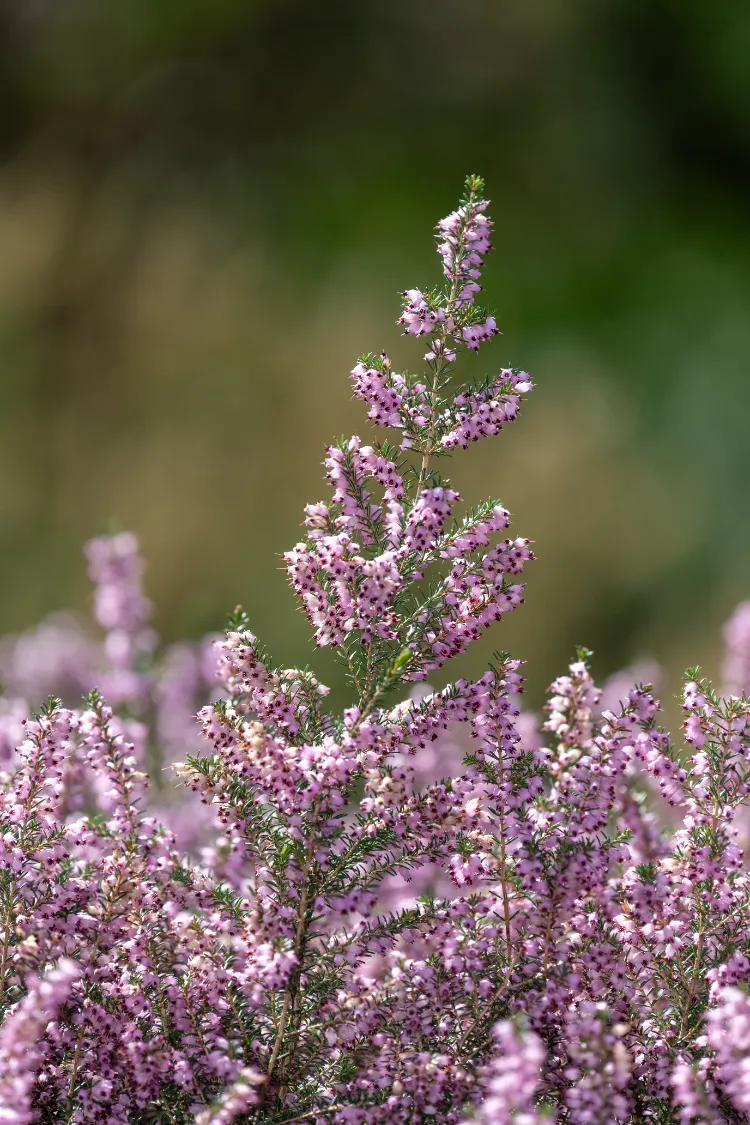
pixel 616 689
pixel 463 240
pixel 599 1067
pixel 23 1050
pixel 383 389
pixel 476 334
pixel 694 1101
pixel 120 607
pixel 418 317
pixel 512 1079
pixel 484 412
pixel 244 1092
pixel 116 567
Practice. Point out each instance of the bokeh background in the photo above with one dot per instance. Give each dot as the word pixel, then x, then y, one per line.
pixel 206 210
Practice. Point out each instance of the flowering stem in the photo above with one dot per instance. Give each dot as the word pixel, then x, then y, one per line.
pixel 429 448
pixel 313 1113
pixel 440 366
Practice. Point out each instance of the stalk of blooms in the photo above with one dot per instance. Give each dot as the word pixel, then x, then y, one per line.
pixel 120 607
pixel 409 911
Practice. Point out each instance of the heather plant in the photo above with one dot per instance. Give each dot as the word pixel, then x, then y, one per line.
pixel 421 909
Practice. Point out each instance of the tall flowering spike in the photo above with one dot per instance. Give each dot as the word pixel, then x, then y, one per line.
pixel 571 707
pixel 279 699
pixel 45 758
pixel 588 759
pixel 434 415
pixel 113 764
pixel 121 608
pixel 463 240
pixel 450 317
pixel 360 574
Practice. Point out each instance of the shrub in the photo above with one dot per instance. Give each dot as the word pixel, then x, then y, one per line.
pixel 554 931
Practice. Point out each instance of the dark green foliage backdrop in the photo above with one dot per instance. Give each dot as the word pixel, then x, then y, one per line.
pixel 206 210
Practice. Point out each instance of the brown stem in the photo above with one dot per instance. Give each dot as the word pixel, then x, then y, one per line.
pixel 4 958
pixel 506 903
pixel 693 985
pixel 290 992
pixel 695 971
pixel 313 1113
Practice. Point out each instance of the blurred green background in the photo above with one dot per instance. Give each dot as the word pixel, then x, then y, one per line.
pixel 206 210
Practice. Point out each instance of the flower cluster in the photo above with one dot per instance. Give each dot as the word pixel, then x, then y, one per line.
pixel 422 909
